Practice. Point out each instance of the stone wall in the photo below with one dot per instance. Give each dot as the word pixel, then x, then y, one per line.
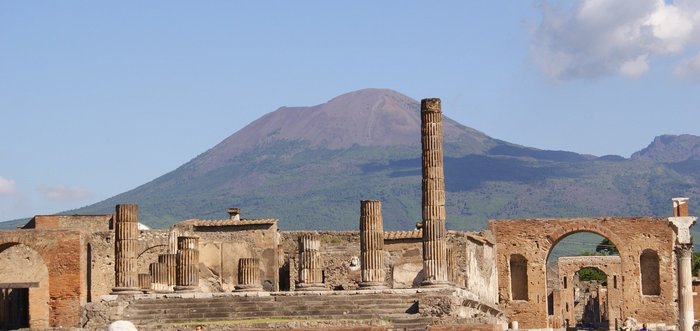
pixel 568 311
pixel 222 243
pixel 533 239
pixel 475 257
pixel 82 223
pixel 60 253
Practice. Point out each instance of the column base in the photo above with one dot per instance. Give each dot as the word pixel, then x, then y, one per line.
pixel 126 290
pixel 248 288
pixel 310 287
pixel 373 286
pixel 185 288
pixel 436 283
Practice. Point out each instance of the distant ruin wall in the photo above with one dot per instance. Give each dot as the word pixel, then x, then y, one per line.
pixel 403 261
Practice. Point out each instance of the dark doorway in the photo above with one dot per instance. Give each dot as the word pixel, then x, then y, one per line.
pixel 14 308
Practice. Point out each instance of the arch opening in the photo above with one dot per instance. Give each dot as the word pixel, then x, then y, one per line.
pixel 578 269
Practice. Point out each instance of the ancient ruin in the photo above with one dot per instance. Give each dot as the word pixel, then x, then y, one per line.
pixel 84 271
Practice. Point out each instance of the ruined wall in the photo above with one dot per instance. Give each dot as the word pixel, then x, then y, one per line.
pixel 479 267
pixel 339 254
pixel 82 223
pixel 101 264
pixel 403 260
pixel 534 239
pixel 21 264
pixel 223 243
pixel 568 267
pixel 61 252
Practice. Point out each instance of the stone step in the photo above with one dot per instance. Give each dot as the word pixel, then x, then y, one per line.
pixel 268 306
pixel 411 323
pixel 306 311
pixel 221 319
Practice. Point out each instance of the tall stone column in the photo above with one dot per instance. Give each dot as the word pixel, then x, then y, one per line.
pixel 433 202
pixel 249 275
pixel 681 224
pixel 310 268
pixel 170 263
pixel 126 245
pixel 187 278
pixel 372 244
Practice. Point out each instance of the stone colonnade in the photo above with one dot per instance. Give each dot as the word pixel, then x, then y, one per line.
pixel 371 244
pixel 126 245
pixel 433 200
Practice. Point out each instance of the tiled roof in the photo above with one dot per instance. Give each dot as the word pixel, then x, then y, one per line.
pixel 229 222
pixel 413 234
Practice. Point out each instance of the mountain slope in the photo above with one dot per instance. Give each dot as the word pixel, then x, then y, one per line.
pixel 310 166
pixel 671 148
pixel 369 117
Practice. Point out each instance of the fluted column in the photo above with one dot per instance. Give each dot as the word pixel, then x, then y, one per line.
pixel 145 282
pixel 126 245
pixel 170 262
pixel 187 279
pixel 249 275
pixel 159 277
pixel 433 202
pixel 371 244
pixel 310 268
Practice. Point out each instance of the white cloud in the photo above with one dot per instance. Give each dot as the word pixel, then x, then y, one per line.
pixel 7 186
pixel 62 193
pixel 594 38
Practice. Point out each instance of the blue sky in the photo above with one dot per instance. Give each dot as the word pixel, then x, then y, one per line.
pixel 97 98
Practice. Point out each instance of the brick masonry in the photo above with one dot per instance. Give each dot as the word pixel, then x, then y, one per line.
pixel 534 240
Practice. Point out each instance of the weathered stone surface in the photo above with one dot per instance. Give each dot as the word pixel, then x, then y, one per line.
pixel 433 225
pixel 565 303
pixel 126 249
pixel 372 244
pixel 533 240
pixel 249 275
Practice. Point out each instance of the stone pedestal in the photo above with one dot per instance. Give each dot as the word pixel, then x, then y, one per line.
pixel 310 268
pixel 433 201
pixel 126 245
pixel 249 275
pixel 372 245
pixel 159 277
pixel 187 279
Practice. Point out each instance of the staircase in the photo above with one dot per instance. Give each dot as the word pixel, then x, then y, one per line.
pixel 252 312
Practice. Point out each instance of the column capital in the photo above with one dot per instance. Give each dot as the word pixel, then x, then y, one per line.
pixel 681 225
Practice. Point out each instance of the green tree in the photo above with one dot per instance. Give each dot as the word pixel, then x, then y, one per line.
pixel 696 263
pixel 606 247
pixel 587 274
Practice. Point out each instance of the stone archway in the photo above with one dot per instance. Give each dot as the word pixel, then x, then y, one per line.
pixel 570 266
pixel 23 269
pixel 534 239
